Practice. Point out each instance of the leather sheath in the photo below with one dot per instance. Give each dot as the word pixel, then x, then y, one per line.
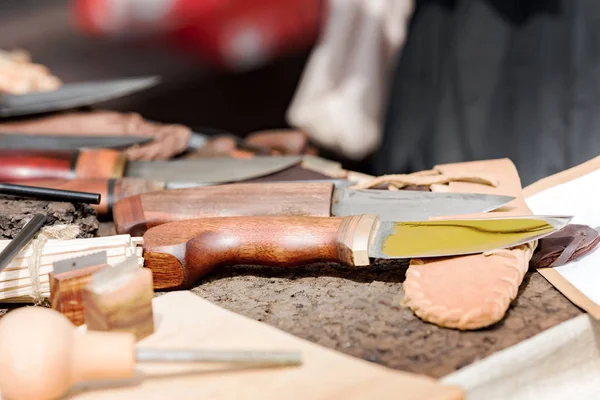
pixel 571 242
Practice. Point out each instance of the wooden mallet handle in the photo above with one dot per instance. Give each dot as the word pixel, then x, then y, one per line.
pixel 179 253
pixel 43 355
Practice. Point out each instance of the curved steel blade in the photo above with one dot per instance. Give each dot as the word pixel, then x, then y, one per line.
pixel 408 205
pixel 68 142
pixel 72 95
pixel 215 170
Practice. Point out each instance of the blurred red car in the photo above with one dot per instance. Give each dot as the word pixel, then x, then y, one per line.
pixel 233 34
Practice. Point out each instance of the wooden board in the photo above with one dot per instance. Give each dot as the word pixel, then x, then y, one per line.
pixel 185 320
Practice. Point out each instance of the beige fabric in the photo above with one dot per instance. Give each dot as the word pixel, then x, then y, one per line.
pixel 562 362
pixel 185 320
pixel 169 139
pixel 340 99
pixel 472 292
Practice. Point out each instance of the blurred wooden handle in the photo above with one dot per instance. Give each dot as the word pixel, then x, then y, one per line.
pixel 134 215
pixel 179 253
pixel 27 165
pixel 285 141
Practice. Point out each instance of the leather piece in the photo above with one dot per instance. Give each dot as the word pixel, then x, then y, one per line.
pixel 426 178
pixel 282 141
pixel 169 139
pixel 18 75
pixel 568 244
pixel 471 292
pixel 271 142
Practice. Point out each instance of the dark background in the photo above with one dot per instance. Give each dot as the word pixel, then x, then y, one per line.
pixel 191 92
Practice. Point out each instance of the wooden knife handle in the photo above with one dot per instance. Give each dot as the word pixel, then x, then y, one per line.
pixel 111 190
pixel 134 215
pixel 26 165
pixel 179 253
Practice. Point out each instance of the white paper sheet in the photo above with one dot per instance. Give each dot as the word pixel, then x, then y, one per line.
pixel 580 198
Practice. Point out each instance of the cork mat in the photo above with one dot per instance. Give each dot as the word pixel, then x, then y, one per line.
pixel 187 321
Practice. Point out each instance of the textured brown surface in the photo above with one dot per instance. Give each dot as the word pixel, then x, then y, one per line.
pixel 357 312
pixel 15 213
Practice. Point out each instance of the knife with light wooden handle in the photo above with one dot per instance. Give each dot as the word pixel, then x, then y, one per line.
pixel 135 214
pixel 179 253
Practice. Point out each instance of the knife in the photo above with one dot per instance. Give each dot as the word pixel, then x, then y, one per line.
pixel 72 95
pixel 135 214
pixel 19 166
pixel 179 253
pixel 68 142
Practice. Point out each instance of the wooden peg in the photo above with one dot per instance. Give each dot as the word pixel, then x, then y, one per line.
pixel 67 281
pixel 120 299
pixel 44 366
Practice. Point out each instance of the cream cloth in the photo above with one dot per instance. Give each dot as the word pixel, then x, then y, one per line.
pixel 340 99
pixel 562 362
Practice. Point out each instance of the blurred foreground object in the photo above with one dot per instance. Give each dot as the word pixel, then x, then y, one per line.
pixel 19 75
pixel 169 139
pixel 340 99
pixel 238 34
pixel 268 142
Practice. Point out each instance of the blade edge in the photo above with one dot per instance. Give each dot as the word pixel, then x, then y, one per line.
pixel 404 205
pixel 388 228
pixel 210 170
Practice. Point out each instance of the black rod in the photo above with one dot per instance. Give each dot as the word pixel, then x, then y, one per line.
pixel 21 240
pixel 43 193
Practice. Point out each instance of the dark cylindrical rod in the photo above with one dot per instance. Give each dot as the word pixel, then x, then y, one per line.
pixel 43 193
pixel 21 240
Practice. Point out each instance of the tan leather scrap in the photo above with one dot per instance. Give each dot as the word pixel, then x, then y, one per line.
pixel 169 139
pixel 471 292
pixel 437 176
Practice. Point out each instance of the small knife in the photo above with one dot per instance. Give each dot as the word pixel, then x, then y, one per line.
pixel 179 253
pixel 68 142
pixel 18 166
pixel 135 214
pixel 72 95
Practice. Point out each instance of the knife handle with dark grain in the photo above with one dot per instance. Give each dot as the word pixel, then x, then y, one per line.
pixel 26 165
pixel 136 214
pixel 180 253
pixel 111 190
